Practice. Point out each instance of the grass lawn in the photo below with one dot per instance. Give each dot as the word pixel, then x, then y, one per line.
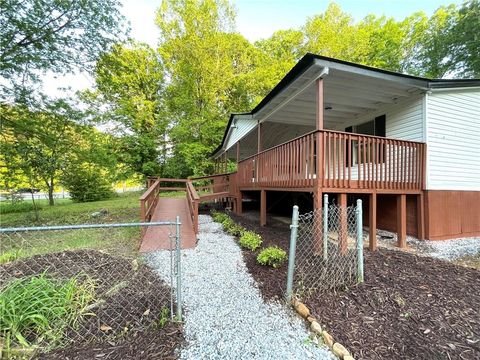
pixel 122 208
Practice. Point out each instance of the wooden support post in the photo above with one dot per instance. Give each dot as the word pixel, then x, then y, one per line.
pixel 402 220
pixel 343 228
pixel 320 106
pixel 260 138
pixel 225 167
pixel 420 217
pixel 238 152
pixel 372 222
pixel 318 233
pixel 239 208
pixel 263 208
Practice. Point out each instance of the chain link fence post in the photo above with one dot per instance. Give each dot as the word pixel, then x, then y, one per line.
pixel 325 227
pixel 291 255
pixel 179 269
pixel 358 213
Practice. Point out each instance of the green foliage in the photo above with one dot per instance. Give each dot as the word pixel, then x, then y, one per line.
pixel 129 94
pixel 9 256
pixel 164 317
pixel 60 36
pixel 251 241
pixel 219 216
pixel 87 183
pixel 272 256
pixel 37 310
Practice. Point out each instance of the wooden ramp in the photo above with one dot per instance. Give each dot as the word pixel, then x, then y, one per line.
pixel 157 237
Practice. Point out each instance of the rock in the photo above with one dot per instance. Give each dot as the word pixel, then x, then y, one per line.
pixel 348 357
pixel 302 310
pixel 327 339
pixel 100 213
pixel 311 319
pixel 339 350
pixel 316 327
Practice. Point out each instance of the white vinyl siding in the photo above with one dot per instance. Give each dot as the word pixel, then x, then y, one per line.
pixel 404 121
pixel 453 140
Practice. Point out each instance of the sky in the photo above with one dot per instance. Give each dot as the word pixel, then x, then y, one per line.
pixel 256 19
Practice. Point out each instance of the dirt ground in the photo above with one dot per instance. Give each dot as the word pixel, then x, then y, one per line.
pixel 409 307
pixel 128 306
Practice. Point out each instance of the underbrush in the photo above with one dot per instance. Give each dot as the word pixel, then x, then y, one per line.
pixel 36 311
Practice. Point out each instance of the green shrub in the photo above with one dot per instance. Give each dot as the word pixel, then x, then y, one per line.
pixel 250 240
pixel 219 217
pixel 87 183
pixel 9 256
pixel 236 230
pixel 37 310
pixel 272 256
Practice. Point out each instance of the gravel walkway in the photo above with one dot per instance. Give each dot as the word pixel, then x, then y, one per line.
pixel 441 249
pixel 225 314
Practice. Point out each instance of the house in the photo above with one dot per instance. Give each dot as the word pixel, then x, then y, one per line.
pixel 407 145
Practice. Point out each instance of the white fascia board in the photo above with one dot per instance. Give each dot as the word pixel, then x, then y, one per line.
pixel 422 84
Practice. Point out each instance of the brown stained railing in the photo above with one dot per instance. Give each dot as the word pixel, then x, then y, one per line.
pixel 346 160
pixel 149 200
pixel 193 200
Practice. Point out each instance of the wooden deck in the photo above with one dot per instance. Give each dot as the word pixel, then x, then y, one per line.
pixel 157 237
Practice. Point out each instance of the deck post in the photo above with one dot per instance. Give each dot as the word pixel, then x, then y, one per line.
pixel 343 236
pixel 238 207
pixel 238 151
pixel 320 106
pixel 263 208
pixel 402 220
pixel 372 222
pixel 260 138
pixel 420 217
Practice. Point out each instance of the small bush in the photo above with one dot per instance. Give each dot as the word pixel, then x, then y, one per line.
pixel 9 256
pixel 236 230
pixel 250 240
pixel 219 217
pixel 272 256
pixel 87 183
pixel 37 310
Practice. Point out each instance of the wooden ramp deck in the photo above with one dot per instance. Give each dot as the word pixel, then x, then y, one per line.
pixel 157 237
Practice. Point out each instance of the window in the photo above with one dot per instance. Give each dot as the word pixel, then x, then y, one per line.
pixel 375 127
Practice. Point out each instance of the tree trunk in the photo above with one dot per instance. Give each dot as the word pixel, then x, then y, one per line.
pixel 51 200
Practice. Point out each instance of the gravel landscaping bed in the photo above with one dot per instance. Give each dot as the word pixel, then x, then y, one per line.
pixel 410 306
pixel 225 314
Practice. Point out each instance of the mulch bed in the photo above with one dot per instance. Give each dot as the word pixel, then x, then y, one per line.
pixel 409 307
pixel 128 303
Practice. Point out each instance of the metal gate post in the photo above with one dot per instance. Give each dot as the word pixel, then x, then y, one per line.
pixel 358 213
pixel 291 255
pixel 179 269
pixel 325 227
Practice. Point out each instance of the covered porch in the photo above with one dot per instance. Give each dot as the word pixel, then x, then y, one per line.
pixel 330 127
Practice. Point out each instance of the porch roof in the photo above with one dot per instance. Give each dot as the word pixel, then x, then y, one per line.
pixel 350 90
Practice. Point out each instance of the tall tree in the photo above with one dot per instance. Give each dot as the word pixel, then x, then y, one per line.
pixel 36 36
pixel 203 57
pixel 128 98
pixel 39 142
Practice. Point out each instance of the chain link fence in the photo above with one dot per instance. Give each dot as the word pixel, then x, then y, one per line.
pixel 326 249
pixel 83 283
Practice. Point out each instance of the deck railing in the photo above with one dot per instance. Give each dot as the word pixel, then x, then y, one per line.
pixel 337 160
pixel 193 200
pixel 149 199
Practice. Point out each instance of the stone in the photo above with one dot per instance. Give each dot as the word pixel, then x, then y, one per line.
pixel 302 310
pixel 311 319
pixel 327 339
pixel 339 350
pixel 348 357
pixel 316 327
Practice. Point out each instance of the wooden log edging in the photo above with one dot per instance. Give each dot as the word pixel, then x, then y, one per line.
pixel 316 329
